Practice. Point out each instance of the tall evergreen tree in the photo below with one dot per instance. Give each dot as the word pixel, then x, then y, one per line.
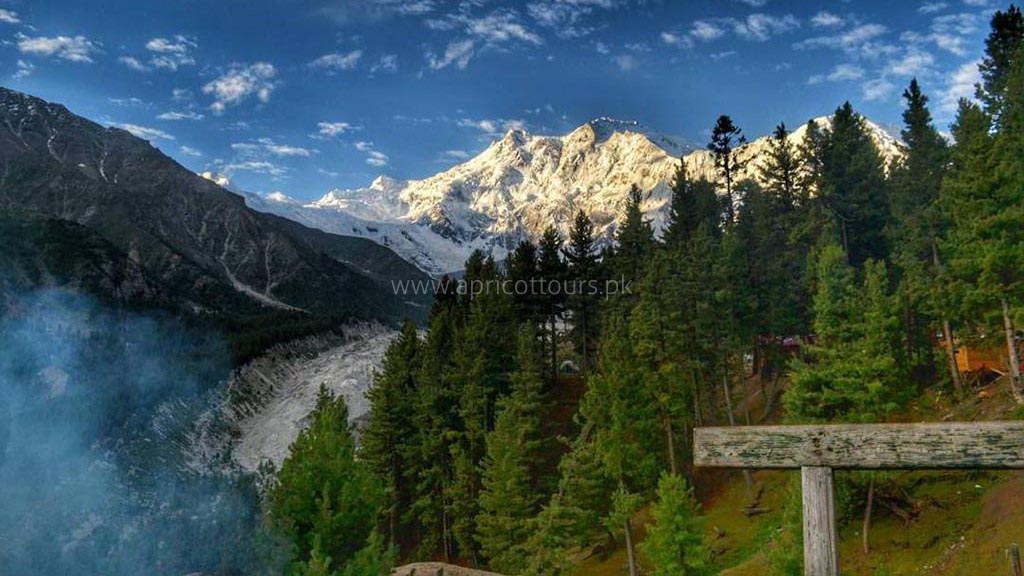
pixel 1001 49
pixel 854 187
pixel 435 416
pixel 726 138
pixel 508 499
pixel 552 271
pixel 693 203
pixel 584 294
pixel 389 443
pixel 634 237
pixel 325 501
pixel 852 373
pixel 916 180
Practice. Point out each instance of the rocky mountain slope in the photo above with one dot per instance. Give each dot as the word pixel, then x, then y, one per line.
pixel 161 233
pixel 518 186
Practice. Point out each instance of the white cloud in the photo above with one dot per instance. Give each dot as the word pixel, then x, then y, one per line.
pixel 914 62
pixel 130 102
pixel 858 41
pixel 190 151
pixel 491 128
pixel 877 89
pixel 453 155
pixel 845 73
pixel 176 115
pixel 333 129
pixel 257 166
pixel 498 27
pixel 24 70
pixel 761 27
pixel 133 63
pixel 959 84
pixel 757 27
pixel 377 158
pixel 955 33
pixel 705 30
pixel 338 62
pixel 268 147
pixel 170 54
pixel 70 48
pixel 239 83
pixel 930 7
pixel 563 17
pixel 374 157
pixel 826 19
pixel 387 63
pixel 754 3
pixel 9 17
pixel 145 133
pixel 675 39
pixel 625 62
pixel 458 53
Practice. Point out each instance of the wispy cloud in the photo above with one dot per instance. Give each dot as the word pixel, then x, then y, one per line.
pixel 24 69
pixel 268 147
pixel 145 132
pixel 387 63
pixel 241 82
pixel 9 16
pixel 70 48
pixel 190 151
pixel 337 62
pixel 458 53
pixel 825 19
pixel 173 115
pixel 959 84
pixel 374 157
pixel 333 129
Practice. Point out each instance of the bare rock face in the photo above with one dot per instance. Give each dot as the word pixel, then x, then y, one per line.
pixel 520 185
pixel 438 569
pixel 199 244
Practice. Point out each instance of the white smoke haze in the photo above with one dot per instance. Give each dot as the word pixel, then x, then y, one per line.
pixel 95 410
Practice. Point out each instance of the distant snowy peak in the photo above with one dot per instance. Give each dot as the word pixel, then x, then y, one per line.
pixel 521 184
pixel 604 127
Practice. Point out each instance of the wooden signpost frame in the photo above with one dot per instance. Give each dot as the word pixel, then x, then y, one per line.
pixel 818 450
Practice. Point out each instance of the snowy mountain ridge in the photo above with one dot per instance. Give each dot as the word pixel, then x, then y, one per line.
pixel 518 186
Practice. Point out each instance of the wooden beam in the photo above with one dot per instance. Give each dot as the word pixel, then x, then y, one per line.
pixel 821 538
pixel 997 445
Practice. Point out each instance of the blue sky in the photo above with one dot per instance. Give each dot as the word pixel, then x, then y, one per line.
pixel 303 96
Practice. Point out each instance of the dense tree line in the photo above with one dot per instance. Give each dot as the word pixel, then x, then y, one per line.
pixel 830 271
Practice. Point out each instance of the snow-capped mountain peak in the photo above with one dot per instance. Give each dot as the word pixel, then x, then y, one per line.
pixel 521 184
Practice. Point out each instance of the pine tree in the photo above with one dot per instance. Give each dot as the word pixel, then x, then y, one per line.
pixel 852 374
pixel 523 272
pixel 508 499
pixel 693 203
pixel 389 441
pixel 634 239
pixel 435 415
pixel 325 501
pixel 675 542
pixel 915 188
pixel 854 187
pixel 726 137
pixel 983 197
pixel 1001 50
pixel 552 271
pixel 585 292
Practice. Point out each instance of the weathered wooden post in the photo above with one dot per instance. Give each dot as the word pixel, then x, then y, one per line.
pixel 818 450
pixel 1014 554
